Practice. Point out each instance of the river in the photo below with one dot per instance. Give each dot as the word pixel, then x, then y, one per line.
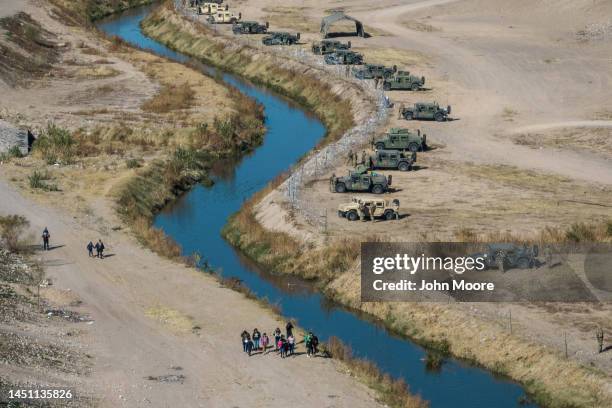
pixel 196 219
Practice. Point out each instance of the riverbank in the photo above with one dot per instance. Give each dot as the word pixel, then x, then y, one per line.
pixel 142 305
pixel 528 363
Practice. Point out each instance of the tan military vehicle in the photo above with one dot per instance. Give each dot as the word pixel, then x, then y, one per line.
pixel 212 8
pixel 363 208
pixel 224 17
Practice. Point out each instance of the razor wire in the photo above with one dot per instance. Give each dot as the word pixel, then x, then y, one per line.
pixel 324 160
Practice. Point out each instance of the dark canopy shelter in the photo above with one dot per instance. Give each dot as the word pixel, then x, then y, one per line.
pixel 336 16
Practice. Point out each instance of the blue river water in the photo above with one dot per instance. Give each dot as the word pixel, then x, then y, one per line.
pixel 195 222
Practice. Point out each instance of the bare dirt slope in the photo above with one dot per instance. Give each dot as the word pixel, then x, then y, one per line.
pixel 146 312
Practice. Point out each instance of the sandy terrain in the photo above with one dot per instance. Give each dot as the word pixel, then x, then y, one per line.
pixel 146 311
pixel 150 317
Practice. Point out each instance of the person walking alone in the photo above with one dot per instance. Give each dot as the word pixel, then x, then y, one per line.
pixel 45 237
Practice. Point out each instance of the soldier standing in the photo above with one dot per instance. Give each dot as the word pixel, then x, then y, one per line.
pixel 363 157
pixel 376 83
pixel 347 69
pixel 350 158
pixel 400 110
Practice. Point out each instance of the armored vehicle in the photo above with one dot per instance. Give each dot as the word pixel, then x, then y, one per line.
pixel 426 111
pixel 224 17
pixel 209 8
pixel 401 139
pixel 344 57
pixel 506 256
pixel 366 207
pixel 280 38
pixel 391 159
pixel 249 27
pixel 328 46
pixel 402 80
pixel 371 71
pixel 360 180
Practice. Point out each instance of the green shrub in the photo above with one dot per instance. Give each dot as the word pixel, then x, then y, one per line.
pixel 55 145
pixel 132 163
pixel 38 180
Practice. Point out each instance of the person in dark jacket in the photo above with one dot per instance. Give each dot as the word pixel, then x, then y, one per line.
pixel 101 249
pixel 45 237
pixel 245 340
pixel 90 248
pixel 289 328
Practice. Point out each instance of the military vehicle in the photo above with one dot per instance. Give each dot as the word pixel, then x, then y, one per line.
pixel 401 139
pixel 366 207
pixel 402 80
pixel 371 71
pixel 506 256
pixel 224 17
pixel 344 57
pixel 360 180
pixel 250 27
pixel 426 111
pixel 391 159
pixel 280 38
pixel 328 46
pixel 209 8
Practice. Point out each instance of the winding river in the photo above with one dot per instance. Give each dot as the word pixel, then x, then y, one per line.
pixel 196 219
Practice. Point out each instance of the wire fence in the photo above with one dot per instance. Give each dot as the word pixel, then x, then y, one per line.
pixel 320 161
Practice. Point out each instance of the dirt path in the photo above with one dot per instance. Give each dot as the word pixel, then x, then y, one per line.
pixel 144 310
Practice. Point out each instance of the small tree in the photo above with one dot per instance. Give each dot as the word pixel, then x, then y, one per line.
pixel 11 229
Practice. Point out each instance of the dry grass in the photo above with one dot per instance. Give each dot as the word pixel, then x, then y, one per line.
pixel 394 393
pixel 393 56
pixel 170 98
pixel 420 26
pixel 309 91
pixel 596 140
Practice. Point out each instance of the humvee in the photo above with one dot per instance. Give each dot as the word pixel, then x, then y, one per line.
pixel 224 17
pixel 426 111
pixel 391 159
pixel 505 256
pixel 402 80
pixel 250 27
pixel 328 46
pixel 401 139
pixel 364 207
pixel 280 38
pixel 371 71
pixel 360 180
pixel 209 8
pixel 344 57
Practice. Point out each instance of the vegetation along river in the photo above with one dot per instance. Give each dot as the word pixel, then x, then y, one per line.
pixel 196 219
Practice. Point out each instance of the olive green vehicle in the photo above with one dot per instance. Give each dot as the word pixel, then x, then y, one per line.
pixel 280 38
pixel 344 57
pixel 426 111
pixel 401 139
pixel 391 159
pixel 367 207
pixel 371 71
pixel 360 180
pixel 325 47
pixel 250 27
pixel 402 80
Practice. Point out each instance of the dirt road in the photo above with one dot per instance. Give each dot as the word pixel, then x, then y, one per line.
pixel 145 309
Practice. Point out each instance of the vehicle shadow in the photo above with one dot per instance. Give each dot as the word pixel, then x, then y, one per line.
pixel 418 168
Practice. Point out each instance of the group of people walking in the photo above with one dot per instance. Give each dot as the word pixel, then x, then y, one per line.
pixel 99 247
pixel 284 344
